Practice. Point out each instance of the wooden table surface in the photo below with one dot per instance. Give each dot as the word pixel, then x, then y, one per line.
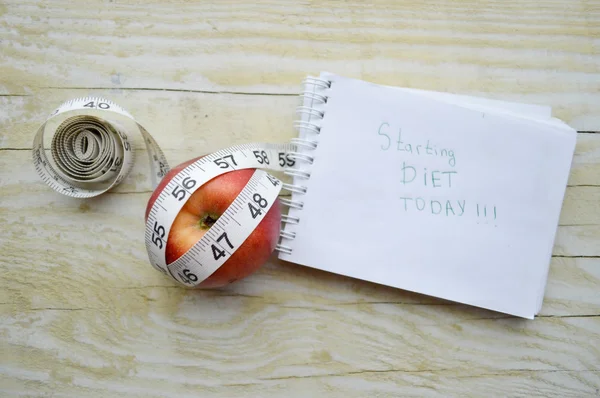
pixel 83 314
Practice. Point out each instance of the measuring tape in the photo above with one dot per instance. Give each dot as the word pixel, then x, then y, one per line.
pixel 234 225
pixel 90 148
pixel 92 153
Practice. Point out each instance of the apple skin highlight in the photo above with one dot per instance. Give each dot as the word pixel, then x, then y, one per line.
pixel 202 209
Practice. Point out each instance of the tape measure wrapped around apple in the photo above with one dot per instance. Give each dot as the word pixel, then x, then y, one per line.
pixel 201 211
pixel 210 221
pixel 216 219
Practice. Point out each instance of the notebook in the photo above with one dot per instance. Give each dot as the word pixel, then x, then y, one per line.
pixel 449 196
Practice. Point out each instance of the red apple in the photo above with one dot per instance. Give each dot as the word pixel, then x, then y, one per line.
pixel 202 210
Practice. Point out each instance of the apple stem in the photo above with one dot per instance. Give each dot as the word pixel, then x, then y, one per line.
pixel 208 220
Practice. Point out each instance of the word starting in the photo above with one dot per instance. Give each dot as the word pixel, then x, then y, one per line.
pixel 419 149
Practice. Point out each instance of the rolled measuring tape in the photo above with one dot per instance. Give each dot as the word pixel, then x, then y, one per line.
pixel 90 149
pixel 91 153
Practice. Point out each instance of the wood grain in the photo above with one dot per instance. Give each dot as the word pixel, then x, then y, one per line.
pixel 95 314
pixel 112 351
pixel 546 52
pixel 579 223
pixel 32 214
pixel 177 120
pixel 191 124
pixel 83 314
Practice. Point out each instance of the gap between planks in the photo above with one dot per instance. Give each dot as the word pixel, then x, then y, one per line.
pixel 144 150
pixel 177 90
pixel 205 91
pixel 498 317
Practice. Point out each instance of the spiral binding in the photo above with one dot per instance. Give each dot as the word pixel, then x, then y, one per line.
pixel 307 125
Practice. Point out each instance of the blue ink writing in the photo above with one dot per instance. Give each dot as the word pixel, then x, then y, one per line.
pixel 435 178
pixel 386 136
pixel 462 207
pixel 443 207
pixel 426 148
pixel 449 208
pixel 410 169
pixel 438 207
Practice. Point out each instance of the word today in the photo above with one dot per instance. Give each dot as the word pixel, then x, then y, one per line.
pixel 448 207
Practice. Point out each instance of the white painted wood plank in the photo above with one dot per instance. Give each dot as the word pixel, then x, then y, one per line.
pixel 543 52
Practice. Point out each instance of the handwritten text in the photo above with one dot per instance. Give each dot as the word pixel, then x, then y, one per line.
pixel 414 155
pixel 419 149
pixel 448 207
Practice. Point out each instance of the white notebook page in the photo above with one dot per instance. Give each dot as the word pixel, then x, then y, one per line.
pixel 438 198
